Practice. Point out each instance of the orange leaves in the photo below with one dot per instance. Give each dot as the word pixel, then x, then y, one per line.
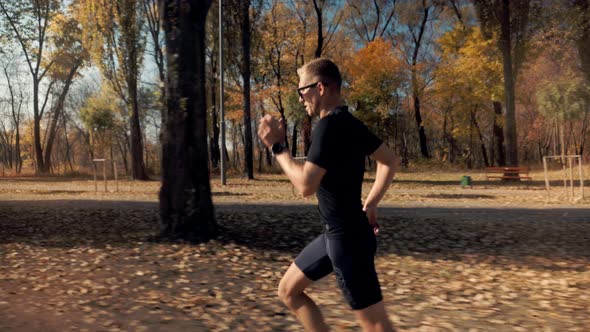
pixel 374 72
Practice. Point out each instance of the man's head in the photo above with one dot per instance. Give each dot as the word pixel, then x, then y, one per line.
pixel 319 85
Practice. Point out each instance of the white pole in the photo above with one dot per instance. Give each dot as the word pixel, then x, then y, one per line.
pixel 546 177
pixel 104 174
pixel 581 176
pixel 95 183
pixel 221 110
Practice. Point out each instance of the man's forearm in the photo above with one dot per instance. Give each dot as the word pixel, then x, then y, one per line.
pixel 292 169
pixel 383 179
pixel 306 178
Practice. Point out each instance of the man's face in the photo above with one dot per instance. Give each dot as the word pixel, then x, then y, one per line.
pixel 309 94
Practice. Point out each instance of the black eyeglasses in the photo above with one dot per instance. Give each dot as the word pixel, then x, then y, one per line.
pixel 306 87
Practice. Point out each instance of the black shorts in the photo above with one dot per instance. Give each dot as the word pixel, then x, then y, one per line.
pixel 351 256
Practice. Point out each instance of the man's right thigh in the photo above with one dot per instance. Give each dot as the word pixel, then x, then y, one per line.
pixel 310 265
pixel 314 260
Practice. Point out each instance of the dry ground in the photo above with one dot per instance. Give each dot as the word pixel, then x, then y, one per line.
pixel 494 257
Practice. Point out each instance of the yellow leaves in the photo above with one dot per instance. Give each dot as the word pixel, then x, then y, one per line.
pixel 470 64
pixel 468 77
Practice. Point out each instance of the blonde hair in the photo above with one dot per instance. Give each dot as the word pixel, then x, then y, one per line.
pixel 325 69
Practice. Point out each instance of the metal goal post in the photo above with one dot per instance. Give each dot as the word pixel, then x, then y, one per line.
pixel 568 174
pixel 104 174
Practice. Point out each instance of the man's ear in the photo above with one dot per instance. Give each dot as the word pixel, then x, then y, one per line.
pixel 322 89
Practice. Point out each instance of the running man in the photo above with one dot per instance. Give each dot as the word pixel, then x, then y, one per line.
pixel 334 169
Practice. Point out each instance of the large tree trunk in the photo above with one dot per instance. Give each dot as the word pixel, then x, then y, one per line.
pixel 583 34
pixel 320 41
pixel 68 146
pixel 248 150
pixel 415 89
pixel 40 166
pixel 294 140
pixel 506 48
pixel 482 145
pixel 498 130
pixel 186 207
pixel 306 123
pixel 214 149
pixel 137 163
pixel 421 132
pixel 306 133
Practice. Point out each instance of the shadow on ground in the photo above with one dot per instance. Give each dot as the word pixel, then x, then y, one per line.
pixel 520 235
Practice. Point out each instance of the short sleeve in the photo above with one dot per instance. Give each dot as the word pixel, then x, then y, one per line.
pixel 321 149
pixel 372 142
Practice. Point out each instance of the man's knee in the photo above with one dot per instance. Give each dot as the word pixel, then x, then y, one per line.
pixel 287 294
pixel 283 292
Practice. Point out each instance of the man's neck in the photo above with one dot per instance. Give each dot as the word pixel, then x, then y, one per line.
pixel 329 106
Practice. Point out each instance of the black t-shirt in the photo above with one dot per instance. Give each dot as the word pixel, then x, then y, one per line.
pixel 340 144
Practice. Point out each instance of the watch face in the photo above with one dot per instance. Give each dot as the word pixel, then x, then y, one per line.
pixel 277 148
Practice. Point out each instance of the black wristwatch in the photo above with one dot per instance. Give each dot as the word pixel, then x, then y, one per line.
pixel 278 148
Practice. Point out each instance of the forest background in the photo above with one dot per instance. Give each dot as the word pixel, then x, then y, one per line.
pixel 457 83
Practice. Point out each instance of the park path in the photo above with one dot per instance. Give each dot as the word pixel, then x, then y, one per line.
pixel 448 260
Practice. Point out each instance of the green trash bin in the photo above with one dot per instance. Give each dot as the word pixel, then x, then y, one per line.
pixel 466 181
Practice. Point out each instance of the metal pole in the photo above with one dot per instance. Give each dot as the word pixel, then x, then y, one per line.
pixel 221 110
pixel 581 176
pixel 546 177
pixel 104 174
pixel 95 183
pixel 570 162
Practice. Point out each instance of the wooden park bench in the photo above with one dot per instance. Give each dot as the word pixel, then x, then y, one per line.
pixel 508 173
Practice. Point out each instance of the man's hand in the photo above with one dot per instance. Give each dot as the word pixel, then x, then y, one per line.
pixel 371 212
pixel 271 130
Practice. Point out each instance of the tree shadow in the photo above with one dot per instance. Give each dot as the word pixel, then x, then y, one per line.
pixel 457 196
pixel 228 193
pixel 475 183
pixel 539 238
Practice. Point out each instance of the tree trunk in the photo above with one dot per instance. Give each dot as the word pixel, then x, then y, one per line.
pixel 68 155
pixel 19 159
pixel 16 117
pixel 57 113
pixel 40 167
pixel 482 145
pixel 123 150
pixel 583 133
pixel 306 133
pixel 498 131
pixel 421 132
pixel 415 88
pixel 137 161
pixel 583 36
pixel 320 28
pixel 186 207
pixel 214 149
pixel 294 140
pixel 248 150
pixel 506 48
pixel 306 123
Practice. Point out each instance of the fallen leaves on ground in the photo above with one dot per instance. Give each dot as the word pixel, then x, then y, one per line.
pixel 91 269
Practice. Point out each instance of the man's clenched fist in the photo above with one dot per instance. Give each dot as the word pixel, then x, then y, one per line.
pixel 271 130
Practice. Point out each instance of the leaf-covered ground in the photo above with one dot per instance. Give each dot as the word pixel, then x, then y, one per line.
pixel 494 257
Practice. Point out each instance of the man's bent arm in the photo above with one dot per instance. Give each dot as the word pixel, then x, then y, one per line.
pixel 306 178
pixel 386 168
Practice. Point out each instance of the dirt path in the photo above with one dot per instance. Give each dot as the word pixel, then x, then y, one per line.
pixel 449 260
